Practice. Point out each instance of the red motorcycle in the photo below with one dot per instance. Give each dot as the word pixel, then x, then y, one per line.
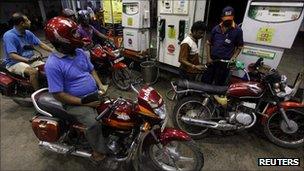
pixel 241 106
pixel 19 88
pixel 107 61
pixel 128 127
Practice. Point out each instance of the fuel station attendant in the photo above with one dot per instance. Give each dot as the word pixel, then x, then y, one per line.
pixel 226 42
pixel 188 56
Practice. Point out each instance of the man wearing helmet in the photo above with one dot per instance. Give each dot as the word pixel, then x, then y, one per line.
pixel 18 57
pixel 85 30
pixel 71 75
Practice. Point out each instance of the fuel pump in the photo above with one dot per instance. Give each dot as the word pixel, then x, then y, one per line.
pixel 175 18
pixel 136 23
pixel 269 27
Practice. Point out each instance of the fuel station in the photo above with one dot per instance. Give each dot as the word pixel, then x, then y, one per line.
pixel 139 47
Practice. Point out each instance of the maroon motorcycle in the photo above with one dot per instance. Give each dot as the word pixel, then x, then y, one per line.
pixel 241 106
pixel 19 88
pixel 129 127
pixel 107 61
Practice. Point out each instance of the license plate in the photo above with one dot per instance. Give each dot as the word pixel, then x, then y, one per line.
pixel 118 60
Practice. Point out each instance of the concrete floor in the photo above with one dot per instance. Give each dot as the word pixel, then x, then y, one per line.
pixel 240 151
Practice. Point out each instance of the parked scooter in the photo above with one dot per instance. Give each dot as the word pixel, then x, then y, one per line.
pixel 129 127
pixel 19 88
pixel 107 60
pixel 241 106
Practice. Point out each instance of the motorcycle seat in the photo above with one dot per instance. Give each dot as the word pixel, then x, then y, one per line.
pixel 3 69
pixel 212 89
pixel 48 103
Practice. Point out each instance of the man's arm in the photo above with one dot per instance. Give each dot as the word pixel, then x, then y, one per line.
pixel 208 51
pixel 239 45
pixel 98 82
pixel 236 52
pixel 46 47
pixel 100 34
pixel 72 100
pixel 95 76
pixel 18 58
pixel 184 55
pixel 36 41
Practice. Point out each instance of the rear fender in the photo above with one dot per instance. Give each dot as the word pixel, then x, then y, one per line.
pixel 285 105
pixel 119 65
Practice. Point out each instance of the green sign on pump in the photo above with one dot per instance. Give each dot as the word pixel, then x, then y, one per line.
pixel 258 53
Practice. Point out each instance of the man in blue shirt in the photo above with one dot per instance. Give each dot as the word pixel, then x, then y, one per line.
pixel 70 76
pixel 17 57
pixel 226 42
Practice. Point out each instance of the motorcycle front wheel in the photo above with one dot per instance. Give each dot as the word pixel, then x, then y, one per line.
pixel 176 155
pixel 191 106
pixel 122 78
pixel 278 132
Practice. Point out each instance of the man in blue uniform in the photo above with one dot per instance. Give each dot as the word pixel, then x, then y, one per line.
pixel 226 42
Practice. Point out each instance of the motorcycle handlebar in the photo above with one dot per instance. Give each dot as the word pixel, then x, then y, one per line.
pixel 106 110
pixel 102 113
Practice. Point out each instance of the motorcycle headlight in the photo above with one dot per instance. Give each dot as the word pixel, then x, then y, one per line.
pixel 161 111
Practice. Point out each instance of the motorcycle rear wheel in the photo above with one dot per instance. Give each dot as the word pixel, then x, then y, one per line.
pixel 274 130
pixel 122 78
pixel 180 158
pixel 195 104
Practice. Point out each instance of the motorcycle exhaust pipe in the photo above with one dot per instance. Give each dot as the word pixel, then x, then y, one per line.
pixel 202 123
pixel 63 149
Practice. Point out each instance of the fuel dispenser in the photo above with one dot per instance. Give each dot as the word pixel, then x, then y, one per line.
pixel 269 27
pixel 174 22
pixel 136 23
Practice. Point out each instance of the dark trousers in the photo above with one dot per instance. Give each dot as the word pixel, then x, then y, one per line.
pixel 86 115
pixel 217 74
pixel 186 75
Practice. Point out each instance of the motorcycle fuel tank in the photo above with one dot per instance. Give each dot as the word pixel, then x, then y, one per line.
pixel 121 118
pixel 245 90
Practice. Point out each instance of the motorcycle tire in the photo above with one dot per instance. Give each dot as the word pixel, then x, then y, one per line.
pixel 23 103
pixel 202 132
pixel 269 129
pixel 152 162
pixel 122 78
